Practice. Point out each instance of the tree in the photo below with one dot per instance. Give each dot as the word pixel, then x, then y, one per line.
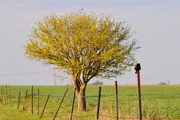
pixel 83 45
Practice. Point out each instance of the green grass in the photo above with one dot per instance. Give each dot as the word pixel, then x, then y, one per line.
pixel 10 113
pixel 157 102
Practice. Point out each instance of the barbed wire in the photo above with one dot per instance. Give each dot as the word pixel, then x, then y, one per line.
pixel 94 99
pixel 152 98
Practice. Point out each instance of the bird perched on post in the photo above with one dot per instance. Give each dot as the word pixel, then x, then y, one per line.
pixel 137 68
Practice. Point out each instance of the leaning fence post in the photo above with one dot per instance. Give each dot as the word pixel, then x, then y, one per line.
pixel 116 92
pixel 44 106
pixel 98 108
pixel 73 104
pixel 137 68
pixel 60 104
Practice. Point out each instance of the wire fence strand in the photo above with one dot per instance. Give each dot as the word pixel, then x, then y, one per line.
pixel 25 101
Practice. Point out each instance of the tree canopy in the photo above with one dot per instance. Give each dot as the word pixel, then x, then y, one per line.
pixel 84 45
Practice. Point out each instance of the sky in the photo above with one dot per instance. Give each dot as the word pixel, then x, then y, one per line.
pixel 156 23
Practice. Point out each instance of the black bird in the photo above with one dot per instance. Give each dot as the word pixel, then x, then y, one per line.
pixel 138 67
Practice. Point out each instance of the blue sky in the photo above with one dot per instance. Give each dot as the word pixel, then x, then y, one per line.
pixel 156 23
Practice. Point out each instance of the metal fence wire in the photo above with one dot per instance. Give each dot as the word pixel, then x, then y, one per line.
pixel 103 108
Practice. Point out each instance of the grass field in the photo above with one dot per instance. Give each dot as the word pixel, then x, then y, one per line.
pixel 158 102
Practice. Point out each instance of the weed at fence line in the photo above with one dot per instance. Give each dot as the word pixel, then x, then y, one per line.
pixel 27 103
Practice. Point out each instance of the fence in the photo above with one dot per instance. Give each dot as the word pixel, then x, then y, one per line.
pixel 57 107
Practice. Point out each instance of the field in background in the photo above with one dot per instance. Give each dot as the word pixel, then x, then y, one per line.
pixel 158 102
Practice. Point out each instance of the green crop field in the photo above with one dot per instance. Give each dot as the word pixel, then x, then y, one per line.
pixel 158 102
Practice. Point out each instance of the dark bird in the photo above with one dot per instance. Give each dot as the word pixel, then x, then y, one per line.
pixel 137 68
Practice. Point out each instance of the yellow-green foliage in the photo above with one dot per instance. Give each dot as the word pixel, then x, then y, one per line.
pixel 83 43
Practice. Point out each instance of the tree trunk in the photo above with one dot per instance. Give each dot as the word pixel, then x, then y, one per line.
pixel 81 98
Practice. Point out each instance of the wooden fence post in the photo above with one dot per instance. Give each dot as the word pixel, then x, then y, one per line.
pixel 138 68
pixel 139 95
pixel 116 92
pixel 73 104
pixel 98 107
